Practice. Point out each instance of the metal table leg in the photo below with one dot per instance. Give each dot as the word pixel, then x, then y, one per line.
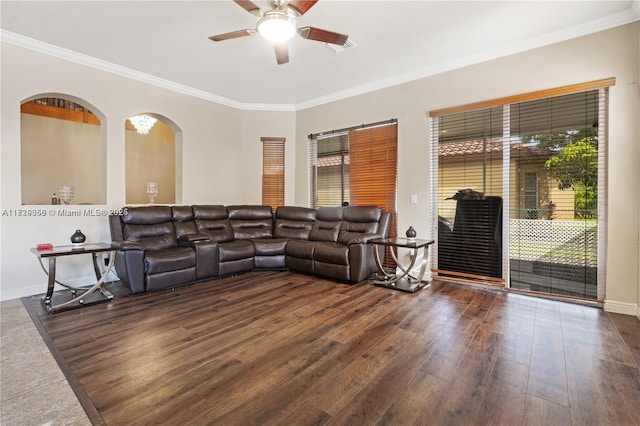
pixel 83 297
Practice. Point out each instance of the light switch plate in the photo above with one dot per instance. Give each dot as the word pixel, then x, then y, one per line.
pixel 414 198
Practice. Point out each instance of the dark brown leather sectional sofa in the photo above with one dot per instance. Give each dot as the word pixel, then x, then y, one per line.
pixel 166 246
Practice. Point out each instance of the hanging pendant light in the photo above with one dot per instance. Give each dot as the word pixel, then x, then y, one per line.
pixel 142 123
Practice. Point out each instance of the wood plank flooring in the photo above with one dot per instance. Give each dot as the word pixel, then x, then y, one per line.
pixel 279 348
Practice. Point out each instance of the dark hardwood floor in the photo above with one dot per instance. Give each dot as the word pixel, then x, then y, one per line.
pixel 279 348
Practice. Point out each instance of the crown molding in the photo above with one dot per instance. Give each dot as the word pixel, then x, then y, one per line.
pixel 89 61
pixel 627 16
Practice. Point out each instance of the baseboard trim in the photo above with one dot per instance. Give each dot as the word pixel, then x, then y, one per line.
pixel 32 290
pixel 17 293
pixel 621 307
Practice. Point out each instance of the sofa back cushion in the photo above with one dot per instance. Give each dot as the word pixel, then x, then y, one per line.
pixel 147 215
pixel 213 221
pixel 251 221
pixel 293 222
pixel 359 220
pixel 183 222
pixel 150 226
pixel 327 224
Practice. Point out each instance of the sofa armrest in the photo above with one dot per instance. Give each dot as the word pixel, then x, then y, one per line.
pixel 361 238
pixel 361 261
pixel 128 245
pixel 189 239
pixel 129 264
pixel 206 258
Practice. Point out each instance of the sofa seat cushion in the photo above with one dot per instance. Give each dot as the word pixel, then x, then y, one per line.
pixel 337 254
pixel 235 250
pixel 170 259
pixel 269 246
pixel 302 249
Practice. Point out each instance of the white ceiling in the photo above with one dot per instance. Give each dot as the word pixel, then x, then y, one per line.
pixel 166 42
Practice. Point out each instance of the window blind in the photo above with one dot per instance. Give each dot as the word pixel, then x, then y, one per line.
pixel 373 169
pixel 470 190
pixel 555 144
pixel 333 170
pixel 273 172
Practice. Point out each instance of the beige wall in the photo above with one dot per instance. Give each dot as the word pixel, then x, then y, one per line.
pixel 257 124
pixel 210 155
pixel 612 53
pixel 222 153
pixel 60 152
pixel 150 157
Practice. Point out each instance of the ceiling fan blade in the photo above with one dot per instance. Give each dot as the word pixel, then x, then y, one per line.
pixel 300 7
pixel 232 34
pixel 325 36
pixel 249 6
pixel 282 53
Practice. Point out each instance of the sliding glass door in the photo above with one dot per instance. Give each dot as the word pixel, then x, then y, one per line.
pixel 518 193
pixel 555 148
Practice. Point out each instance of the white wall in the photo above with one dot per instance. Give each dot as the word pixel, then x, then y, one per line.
pixel 612 53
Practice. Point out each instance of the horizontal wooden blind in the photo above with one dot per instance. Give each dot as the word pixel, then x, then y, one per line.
pixel 273 172
pixel 373 167
pixel 373 170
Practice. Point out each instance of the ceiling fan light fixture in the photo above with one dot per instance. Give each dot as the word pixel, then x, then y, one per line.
pixel 276 26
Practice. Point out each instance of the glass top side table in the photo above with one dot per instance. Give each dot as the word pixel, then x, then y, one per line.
pixel 97 293
pixel 404 281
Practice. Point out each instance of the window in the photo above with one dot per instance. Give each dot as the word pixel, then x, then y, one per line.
pixel 331 157
pixel 518 189
pixel 273 172
pixel 531 203
pixel 357 166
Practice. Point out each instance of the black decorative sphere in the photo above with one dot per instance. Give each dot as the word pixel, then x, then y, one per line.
pixel 78 237
pixel 411 233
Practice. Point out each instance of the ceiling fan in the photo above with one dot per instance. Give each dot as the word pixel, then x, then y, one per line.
pixel 278 25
